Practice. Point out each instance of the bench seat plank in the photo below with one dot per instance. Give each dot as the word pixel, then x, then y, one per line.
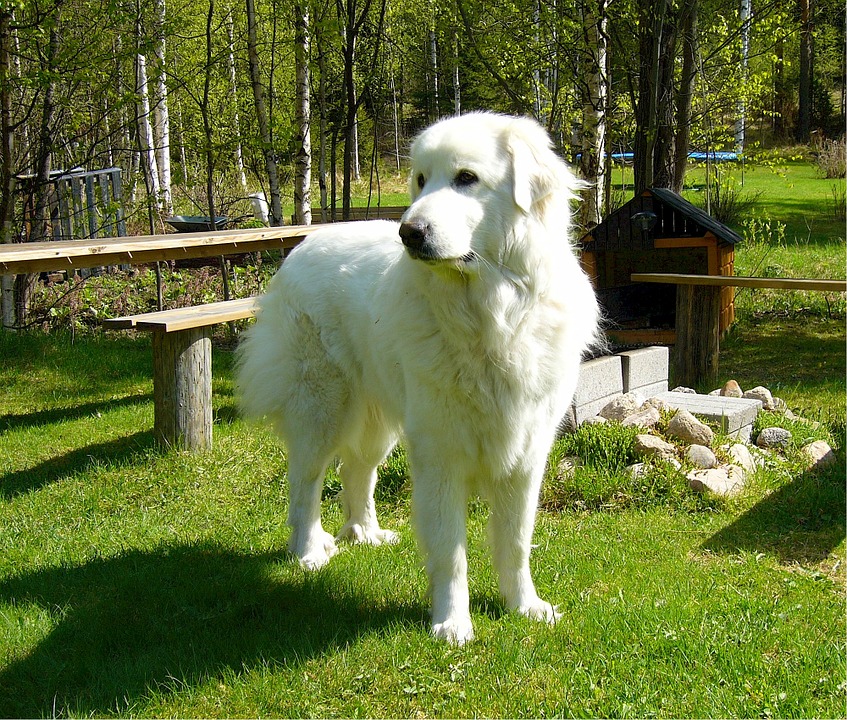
pixel 188 317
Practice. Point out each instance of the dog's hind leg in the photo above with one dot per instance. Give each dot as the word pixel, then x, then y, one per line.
pixel 359 477
pixel 309 542
pixel 511 526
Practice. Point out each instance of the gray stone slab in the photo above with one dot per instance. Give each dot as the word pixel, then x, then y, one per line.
pixel 645 370
pixel 599 381
pixel 599 378
pixel 734 416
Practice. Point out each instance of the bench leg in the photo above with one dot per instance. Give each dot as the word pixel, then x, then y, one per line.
pixel 182 388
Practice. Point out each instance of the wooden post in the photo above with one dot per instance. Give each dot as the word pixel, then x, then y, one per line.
pixel 697 334
pixel 182 387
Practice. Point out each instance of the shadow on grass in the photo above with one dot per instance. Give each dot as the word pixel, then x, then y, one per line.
pixel 154 621
pixel 801 522
pixel 118 451
pixel 47 417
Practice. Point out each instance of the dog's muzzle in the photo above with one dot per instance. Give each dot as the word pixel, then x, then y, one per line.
pixel 416 236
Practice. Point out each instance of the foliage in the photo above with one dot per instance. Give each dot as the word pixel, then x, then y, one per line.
pixel 727 202
pixel 588 471
pixel 831 159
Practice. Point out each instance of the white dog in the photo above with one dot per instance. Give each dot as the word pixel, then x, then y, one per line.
pixel 462 329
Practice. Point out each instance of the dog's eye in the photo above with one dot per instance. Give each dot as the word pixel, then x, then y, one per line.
pixel 465 179
pixel 421 181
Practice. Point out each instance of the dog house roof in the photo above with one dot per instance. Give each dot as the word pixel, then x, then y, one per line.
pixel 674 217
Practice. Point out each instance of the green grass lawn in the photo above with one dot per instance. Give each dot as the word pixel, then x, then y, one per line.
pixel 140 582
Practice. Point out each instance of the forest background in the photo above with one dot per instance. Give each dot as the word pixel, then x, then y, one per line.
pixel 202 103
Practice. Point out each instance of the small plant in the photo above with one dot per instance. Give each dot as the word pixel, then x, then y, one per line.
pixel 837 202
pixel 728 203
pixel 831 159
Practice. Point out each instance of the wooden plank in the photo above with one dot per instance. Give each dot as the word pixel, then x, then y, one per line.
pixel 751 282
pixel 18 258
pixel 646 336
pixel 187 318
pixel 683 242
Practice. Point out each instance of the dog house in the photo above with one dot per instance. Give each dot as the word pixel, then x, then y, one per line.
pixel 655 232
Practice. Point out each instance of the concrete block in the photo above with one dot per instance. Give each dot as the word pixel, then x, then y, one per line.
pixel 645 370
pixel 734 416
pixel 599 381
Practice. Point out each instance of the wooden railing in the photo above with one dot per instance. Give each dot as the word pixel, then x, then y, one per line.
pixel 698 314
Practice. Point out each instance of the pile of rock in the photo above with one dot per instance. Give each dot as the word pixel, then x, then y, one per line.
pixel 688 443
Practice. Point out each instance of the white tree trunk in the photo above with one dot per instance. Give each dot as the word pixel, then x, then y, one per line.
pixel 262 115
pixel 741 109
pixel 303 160
pixel 233 83
pixel 161 121
pixel 145 129
pixel 592 163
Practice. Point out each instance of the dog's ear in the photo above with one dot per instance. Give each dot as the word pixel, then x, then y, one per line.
pixel 537 171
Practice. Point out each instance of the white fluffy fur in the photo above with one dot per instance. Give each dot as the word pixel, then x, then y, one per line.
pixel 472 354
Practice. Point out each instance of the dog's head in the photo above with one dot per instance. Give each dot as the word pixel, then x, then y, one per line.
pixel 477 182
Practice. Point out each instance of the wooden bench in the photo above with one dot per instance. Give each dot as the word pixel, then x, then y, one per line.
pixel 182 367
pixel 35 257
pixel 374 212
pixel 698 315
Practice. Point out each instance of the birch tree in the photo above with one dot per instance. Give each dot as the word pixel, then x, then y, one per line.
pixel 594 109
pixel 303 157
pixel 146 140
pixel 161 120
pixel 233 82
pixel 7 177
pixel 262 119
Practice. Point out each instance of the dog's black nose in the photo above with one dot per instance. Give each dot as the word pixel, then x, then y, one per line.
pixel 414 234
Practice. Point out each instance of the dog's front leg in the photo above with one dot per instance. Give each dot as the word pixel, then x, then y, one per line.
pixel 439 504
pixel 512 521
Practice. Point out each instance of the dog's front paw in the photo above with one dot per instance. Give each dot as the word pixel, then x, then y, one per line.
pixel 316 551
pixel 456 631
pixel 359 535
pixel 541 611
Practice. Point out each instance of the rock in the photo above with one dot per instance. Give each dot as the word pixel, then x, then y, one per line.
pixel 682 389
pixel 779 405
pixel 763 394
pixel 715 393
pixel 566 466
pixel 700 456
pixel 650 446
pixel 596 420
pixel 732 389
pixel 742 456
pixel 689 429
pixel 645 418
pixel 657 403
pixel 773 437
pixel 637 471
pixel 819 455
pixel 726 480
pixel 620 407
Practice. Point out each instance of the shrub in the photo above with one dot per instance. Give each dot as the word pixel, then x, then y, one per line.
pixel 601 479
pixel 831 159
pixel 728 203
